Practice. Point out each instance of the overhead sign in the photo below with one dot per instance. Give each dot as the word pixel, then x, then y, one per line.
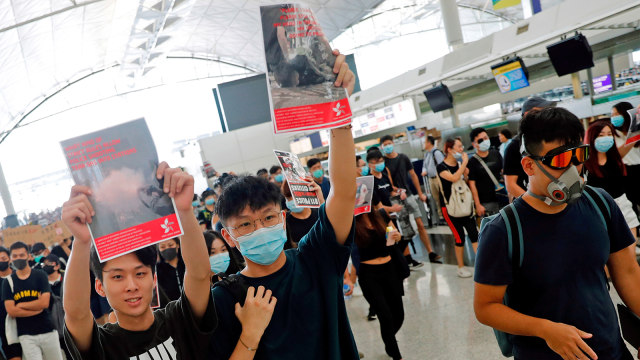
pixel 510 75
pixel 501 4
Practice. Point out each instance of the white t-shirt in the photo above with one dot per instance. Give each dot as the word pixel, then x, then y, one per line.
pixel 633 157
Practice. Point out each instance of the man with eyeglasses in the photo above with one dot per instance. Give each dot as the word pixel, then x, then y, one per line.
pixel 310 319
pixel 558 305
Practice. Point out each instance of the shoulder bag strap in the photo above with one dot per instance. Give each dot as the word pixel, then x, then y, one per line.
pixel 486 168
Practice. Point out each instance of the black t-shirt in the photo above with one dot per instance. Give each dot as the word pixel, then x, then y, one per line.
pixel 204 217
pixel 27 290
pixel 171 279
pixel 512 165
pixel 175 334
pixel 562 275
pixel 446 184
pixel 382 190
pixel 399 167
pixel 485 186
pixel 610 181
pixel 297 228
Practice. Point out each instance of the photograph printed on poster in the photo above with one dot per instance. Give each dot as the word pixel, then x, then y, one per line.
pixel 364 194
pixel 292 169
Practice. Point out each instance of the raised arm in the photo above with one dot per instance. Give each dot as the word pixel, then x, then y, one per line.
pixel 76 213
pixel 179 186
pixel 342 197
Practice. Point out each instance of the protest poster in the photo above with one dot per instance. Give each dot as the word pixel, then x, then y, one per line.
pixel 27 234
pixel 53 234
pixel 292 169
pixel 300 73
pixel 155 296
pixel 119 164
pixel 364 194
pixel 634 127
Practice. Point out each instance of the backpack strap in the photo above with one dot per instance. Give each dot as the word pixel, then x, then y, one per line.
pixel 514 230
pixel 236 285
pixel 10 280
pixel 597 200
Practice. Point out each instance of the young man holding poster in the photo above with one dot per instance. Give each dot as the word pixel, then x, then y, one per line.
pixel 310 320
pixel 179 331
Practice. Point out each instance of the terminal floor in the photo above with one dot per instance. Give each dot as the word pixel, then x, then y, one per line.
pixel 439 320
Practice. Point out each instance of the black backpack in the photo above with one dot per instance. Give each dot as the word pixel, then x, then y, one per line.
pixel 235 284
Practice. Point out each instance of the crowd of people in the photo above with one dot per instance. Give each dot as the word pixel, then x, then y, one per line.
pixel 279 274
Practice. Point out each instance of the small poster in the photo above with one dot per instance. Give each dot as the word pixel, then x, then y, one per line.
pixel 364 194
pixel 119 164
pixel 155 296
pixel 634 127
pixel 303 194
pixel 300 73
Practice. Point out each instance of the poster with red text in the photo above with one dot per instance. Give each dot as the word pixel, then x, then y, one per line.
pixel 634 127
pixel 292 169
pixel 364 194
pixel 300 71
pixel 119 165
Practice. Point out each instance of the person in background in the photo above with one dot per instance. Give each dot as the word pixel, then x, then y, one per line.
pixel 51 266
pixel 28 301
pixel 400 168
pixel 505 137
pixel 39 252
pixel 515 179
pixel 299 219
pixel 63 250
pixel 480 181
pixel 362 169
pixel 621 120
pixel 606 170
pixel 170 269
pixel 276 176
pixel 380 283
pixel 432 158
pixel 207 216
pixel 450 171
pixel 221 260
pixel 316 170
pixel 196 205
pixel 13 351
pixel 263 173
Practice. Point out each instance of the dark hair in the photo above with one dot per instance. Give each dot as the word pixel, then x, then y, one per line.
pixel 374 155
pixel 311 162
pixel 235 264
pixel 262 172
pixel 4 250
pixel 373 148
pixel 18 245
pixel 209 238
pixel 431 140
pixel 148 256
pixel 274 169
pixel 507 133
pixel 244 191
pixel 53 258
pixel 623 109
pixel 386 138
pixel 448 144
pixel 612 155
pixel 195 197
pixel 226 179
pixel 363 238
pixel 206 194
pixel 475 132
pixel 358 158
pixel 550 124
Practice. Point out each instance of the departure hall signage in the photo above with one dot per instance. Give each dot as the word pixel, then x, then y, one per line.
pixel 511 75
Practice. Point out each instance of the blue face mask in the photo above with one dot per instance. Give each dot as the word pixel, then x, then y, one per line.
pixel 604 143
pixel 364 171
pixel 617 121
pixel 318 173
pixel 458 156
pixel 219 262
pixel 279 178
pixel 387 149
pixel 380 167
pixel 484 145
pixel 38 258
pixel 263 246
pixel 195 203
pixel 209 202
pixel 292 206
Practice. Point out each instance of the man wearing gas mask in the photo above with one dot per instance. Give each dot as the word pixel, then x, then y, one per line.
pixel 557 302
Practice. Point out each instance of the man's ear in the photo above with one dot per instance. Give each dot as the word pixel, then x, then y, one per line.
pixel 99 288
pixel 227 238
pixel 528 165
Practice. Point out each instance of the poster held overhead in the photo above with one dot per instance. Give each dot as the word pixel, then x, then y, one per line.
pixel 364 194
pixel 634 127
pixel 302 193
pixel 300 73
pixel 119 165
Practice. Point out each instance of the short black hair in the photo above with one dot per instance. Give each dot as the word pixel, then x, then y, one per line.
pixel 311 162
pixel 148 256
pixel 4 250
pixel 386 138
pixel 262 172
pixel 550 124
pixel 475 132
pixel 53 258
pixel 431 140
pixel 374 155
pixel 18 245
pixel 358 158
pixel 507 133
pixel 373 148
pixel 243 191
pixel 274 169
pixel 206 194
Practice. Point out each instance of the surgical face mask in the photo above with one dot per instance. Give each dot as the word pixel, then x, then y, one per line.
pixel 279 178
pixel 48 269
pixel 264 245
pixel 209 202
pixel 4 265
pixel 195 203
pixel 458 156
pixel 38 258
pixel 364 171
pixel 617 120
pixel 169 253
pixel 566 189
pixel 380 167
pixel 219 262
pixel 20 264
pixel 484 145
pixel 387 149
pixel 292 206
pixel 604 143
pixel 318 173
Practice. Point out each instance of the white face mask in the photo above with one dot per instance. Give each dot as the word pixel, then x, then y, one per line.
pixel 484 145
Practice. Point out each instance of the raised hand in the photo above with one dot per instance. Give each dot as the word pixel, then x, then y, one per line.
pixel 77 212
pixel 178 184
pixel 346 78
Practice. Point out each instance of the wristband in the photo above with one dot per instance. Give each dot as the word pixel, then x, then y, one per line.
pixel 245 345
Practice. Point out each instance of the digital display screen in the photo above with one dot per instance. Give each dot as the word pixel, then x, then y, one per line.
pixel 602 84
pixel 510 75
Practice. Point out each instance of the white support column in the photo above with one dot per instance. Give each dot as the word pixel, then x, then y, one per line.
pixel 6 199
pixel 451 20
